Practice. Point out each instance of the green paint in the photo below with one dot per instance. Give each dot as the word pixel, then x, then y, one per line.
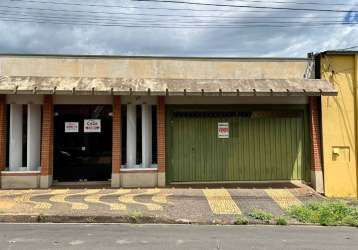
pixel 258 149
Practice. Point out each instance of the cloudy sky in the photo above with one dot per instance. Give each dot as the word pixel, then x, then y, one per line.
pixel 289 28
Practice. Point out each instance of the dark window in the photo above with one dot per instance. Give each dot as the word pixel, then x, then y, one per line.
pixel 24 135
pixel 154 134
pixel 139 134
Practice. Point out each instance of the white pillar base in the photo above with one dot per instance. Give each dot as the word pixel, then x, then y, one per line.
pixel 45 181
pixel 317 181
pixel 115 180
pixel 161 179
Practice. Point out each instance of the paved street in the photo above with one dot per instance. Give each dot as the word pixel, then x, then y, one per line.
pixel 218 205
pixel 156 237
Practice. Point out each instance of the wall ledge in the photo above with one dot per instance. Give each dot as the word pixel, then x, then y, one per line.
pixel 138 170
pixel 20 173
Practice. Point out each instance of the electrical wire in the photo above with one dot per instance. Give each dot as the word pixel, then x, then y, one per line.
pixel 245 6
pixel 166 26
pixel 177 21
pixel 86 12
pixel 162 8
pixel 84 19
pixel 289 2
pixel 114 6
pixel 112 12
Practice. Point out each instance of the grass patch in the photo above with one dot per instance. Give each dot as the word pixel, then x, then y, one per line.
pixel 261 215
pixel 90 219
pixel 135 215
pixel 241 220
pixel 327 213
pixel 281 221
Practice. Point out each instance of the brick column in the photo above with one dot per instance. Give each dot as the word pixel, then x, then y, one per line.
pixel 316 157
pixel 47 142
pixel 161 140
pixel 116 141
pixel 2 132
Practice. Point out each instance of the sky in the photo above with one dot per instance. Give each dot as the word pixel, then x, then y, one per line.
pixel 150 28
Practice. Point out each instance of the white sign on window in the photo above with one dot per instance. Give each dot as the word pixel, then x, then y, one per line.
pixel 223 130
pixel 92 126
pixel 71 127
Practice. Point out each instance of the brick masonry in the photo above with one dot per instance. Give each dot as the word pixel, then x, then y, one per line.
pixel 315 132
pixel 2 132
pixel 161 133
pixel 116 135
pixel 47 137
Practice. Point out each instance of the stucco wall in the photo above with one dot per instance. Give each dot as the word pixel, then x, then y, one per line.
pixel 339 126
pixel 174 68
pixel 29 179
pixel 139 179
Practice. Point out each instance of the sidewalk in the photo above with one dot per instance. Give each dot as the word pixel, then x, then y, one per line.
pixel 173 205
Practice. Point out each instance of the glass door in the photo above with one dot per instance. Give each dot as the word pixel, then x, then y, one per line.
pixel 82 142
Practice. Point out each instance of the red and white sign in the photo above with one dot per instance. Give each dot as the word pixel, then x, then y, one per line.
pixel 223 130
pixel 71 127
pixel 92 126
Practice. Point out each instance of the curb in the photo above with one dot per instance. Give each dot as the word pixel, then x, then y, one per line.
pixel 11 218
pixel 40 218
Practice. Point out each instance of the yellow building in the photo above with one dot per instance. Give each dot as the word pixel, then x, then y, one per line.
pixel 339 122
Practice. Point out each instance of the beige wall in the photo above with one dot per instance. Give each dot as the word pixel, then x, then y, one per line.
pixel 174 68
pixel 29 181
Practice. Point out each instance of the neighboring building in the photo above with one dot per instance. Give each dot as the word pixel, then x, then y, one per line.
pixel 156 121
pixel 339 122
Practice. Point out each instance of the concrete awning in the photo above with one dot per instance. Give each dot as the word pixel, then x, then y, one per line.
pixel 172 87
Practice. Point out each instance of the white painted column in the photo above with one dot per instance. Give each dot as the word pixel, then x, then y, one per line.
pixel 15 148
pixel 131 135
pixel 33 136
pixel 146 135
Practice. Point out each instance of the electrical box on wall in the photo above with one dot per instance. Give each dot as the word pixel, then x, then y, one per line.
pixel 341 154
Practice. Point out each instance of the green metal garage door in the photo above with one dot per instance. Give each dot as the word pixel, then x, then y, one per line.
pixel 261 146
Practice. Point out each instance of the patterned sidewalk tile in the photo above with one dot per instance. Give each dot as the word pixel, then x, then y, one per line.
pixel 200 205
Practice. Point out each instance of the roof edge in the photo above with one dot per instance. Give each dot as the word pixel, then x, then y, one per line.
pixel 154 57
pixel 338 52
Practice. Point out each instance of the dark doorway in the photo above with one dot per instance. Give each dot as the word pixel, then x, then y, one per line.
pixel 82 142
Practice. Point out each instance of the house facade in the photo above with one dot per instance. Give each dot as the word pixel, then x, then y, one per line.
pixel 159 121
pixel 339 122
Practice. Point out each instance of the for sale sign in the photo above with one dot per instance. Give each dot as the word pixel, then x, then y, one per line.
pixel 223 130
pixel 71 127
pixel 92 126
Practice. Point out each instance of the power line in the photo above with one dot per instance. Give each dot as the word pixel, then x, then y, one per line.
pixel 75 20
pixel 106 18
pixel 86 12
pixel 176 21
pixel 349 48
pixel 163 26
pixel 293 2
pixel 245 6
pixel 115 13
pixel 114 6
pixel 154 8
pixel 161 8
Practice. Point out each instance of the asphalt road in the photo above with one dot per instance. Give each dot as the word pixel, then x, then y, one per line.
pixel 150 237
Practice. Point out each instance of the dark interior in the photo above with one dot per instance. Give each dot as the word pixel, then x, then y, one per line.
pixel 82 155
